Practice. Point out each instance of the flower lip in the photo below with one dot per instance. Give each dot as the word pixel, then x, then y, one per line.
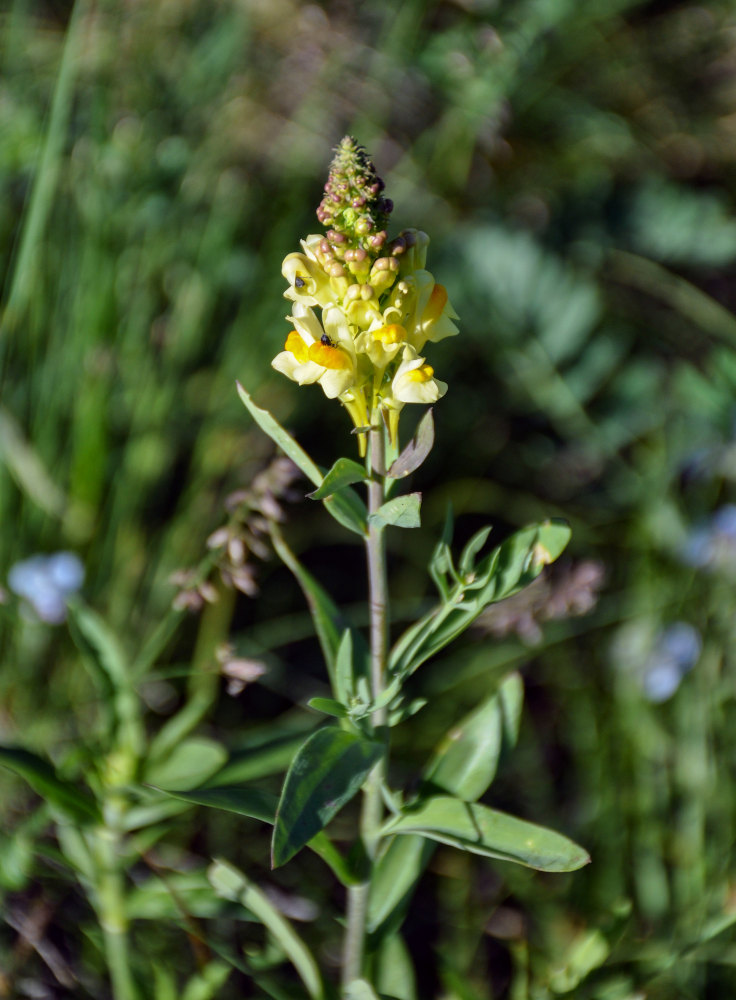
pixel 329 356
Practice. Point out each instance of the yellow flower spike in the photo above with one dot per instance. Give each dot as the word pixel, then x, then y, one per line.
pixel 363 307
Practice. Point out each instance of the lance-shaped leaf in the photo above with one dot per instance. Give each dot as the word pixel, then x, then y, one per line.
pixel 464 765
pixel 326 773
pixel 395 874
pixel 192 762
pixel 465 762
pixel 345 506
pixel 343 473
pixel 328 620
pixel 401 512
pixel 508 568
pixel 64 799
pixel 230 883
pixel 417 450
pixel 480 830
pixel 260 805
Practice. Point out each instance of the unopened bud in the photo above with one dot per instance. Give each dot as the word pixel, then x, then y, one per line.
pixel 358 255
pixel 353 206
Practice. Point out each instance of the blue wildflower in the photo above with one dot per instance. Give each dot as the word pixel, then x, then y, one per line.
pixel 47 582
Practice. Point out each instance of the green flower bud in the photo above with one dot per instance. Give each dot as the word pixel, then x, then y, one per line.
pixel 353 206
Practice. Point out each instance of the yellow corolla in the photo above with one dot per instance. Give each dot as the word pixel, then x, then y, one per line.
pixel 319 352
pixel 382 342
pixel 414 381
pixel 308 281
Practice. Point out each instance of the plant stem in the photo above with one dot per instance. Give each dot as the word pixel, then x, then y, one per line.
pixel 111 909
pixel 357 906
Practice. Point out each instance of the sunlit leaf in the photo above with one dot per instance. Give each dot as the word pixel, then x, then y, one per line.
pixel 465 762
pixel 480 830
pixel 506 570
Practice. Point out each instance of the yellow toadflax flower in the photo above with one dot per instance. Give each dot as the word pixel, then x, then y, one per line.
pixel 379 306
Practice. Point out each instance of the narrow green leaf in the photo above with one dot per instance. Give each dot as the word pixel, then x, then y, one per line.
pixel 243 801
pixel 159 898
pixel 329 706
pixel 344 674
pixel 326 773
pixel 207 983
pixel 66 801
pixel 395 874
pixel 347 507
pixel 230 883
pixel 511 695
pixel 259 760
pixel 344 472
pixel 359 989
pixel 505 571
pixel 348 510
pixel 401 512
pixel 192 762
pixel 417 450
pixel 394 973
pixel 98 643
pixel 270 425
pixel 480 830
pixel 465 761
pixel 327 617
pixel 471 550
pixel 261 805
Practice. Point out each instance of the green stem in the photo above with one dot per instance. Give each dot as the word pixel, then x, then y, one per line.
pixel 111 910
pixel 357 903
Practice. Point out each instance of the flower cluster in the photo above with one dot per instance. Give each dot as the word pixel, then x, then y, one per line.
pixel 378 305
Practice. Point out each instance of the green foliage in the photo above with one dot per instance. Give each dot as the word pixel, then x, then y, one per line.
pixel 65 800
pixel 573 166
pixel 326 772
pixel 480 830
pixel 509 568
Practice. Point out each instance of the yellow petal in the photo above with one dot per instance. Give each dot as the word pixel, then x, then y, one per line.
pixel 435 305
pixel 394 333
pixel 296 346
pixel 329 356
pixel 421 374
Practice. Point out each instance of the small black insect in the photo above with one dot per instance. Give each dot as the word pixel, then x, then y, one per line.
pixel 324 339
pixel 299 282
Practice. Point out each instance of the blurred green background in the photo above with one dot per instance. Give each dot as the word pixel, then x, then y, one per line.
pixel 574 165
